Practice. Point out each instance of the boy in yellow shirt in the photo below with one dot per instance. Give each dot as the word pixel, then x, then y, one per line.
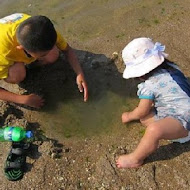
pixel 25 39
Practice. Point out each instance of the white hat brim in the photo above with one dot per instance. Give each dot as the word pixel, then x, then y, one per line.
pixel 138 70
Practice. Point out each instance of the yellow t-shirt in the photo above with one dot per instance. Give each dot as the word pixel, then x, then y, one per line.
pixel 9 54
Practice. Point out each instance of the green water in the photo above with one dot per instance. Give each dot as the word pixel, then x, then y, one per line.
pixel 75 118
pixel 78 118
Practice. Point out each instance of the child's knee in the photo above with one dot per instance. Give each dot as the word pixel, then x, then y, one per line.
pixel 16 74
pixel 154 130
pixel 20 77
pixel 16 79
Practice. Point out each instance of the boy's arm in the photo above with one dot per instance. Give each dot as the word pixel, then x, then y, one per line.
pixel 139 112
pixel 29 100
pixel 80 80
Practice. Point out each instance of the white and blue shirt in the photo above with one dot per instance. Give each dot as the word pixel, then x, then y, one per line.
pixel 170 92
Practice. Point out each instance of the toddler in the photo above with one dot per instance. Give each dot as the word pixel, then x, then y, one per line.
pixel 164 94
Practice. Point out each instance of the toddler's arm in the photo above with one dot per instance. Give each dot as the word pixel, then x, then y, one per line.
pixel 139 112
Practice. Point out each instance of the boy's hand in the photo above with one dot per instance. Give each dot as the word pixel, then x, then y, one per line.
pixel 33 100
pixel 82 86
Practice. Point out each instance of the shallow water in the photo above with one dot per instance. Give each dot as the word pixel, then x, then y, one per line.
pixel 76 118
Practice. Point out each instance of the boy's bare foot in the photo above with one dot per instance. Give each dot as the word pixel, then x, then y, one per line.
pixel 128 161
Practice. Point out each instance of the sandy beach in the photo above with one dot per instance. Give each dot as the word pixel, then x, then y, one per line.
pixel 77 143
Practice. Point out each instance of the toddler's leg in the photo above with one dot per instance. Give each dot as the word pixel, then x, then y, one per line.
pixel 148 119
pixel 167 128
pixel 16 73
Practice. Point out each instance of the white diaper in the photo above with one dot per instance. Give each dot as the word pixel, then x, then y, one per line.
pixel 182 140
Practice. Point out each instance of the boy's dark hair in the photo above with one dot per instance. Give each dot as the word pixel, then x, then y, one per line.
pixel 36 34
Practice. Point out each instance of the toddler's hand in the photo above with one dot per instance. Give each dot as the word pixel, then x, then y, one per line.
pixel 125 117
pixel 33 100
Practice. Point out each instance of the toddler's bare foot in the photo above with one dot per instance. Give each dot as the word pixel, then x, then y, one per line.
pixel 128 161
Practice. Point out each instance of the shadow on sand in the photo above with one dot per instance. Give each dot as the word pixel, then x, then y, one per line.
pixel 168 152
pixel 56 82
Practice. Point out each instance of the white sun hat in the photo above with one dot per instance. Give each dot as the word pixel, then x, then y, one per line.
pixel 141 56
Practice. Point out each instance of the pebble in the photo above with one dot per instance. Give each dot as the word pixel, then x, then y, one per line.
pixel 114 55
pixel 60 178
